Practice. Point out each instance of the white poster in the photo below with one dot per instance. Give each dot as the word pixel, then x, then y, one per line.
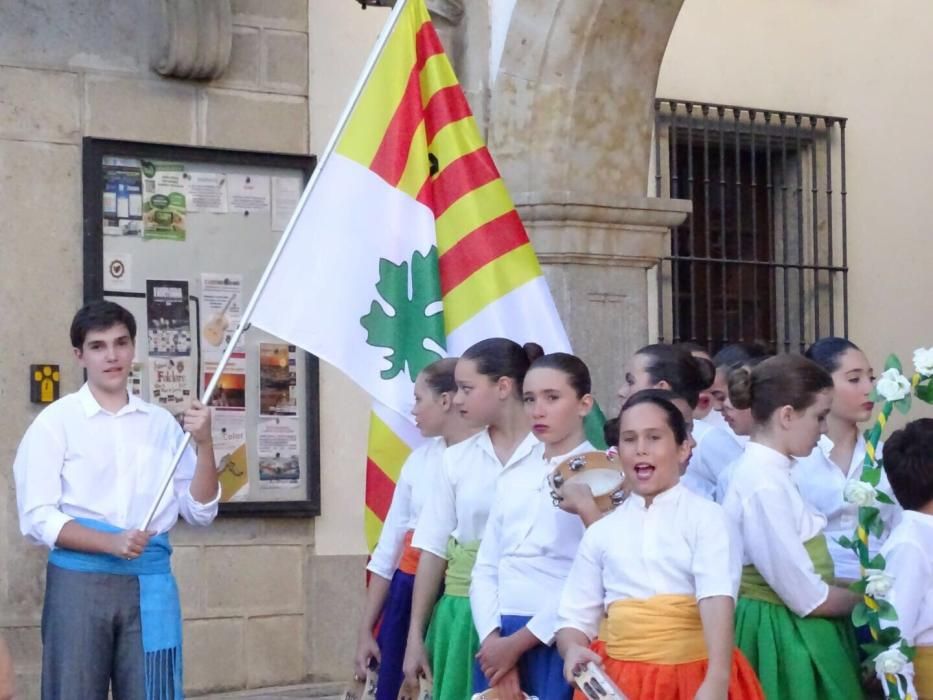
pixel 221 310
pixel 171 383
pixel 207 192
pixel 286 191
pixel 229 432
pixel 278 451
pixel 248 193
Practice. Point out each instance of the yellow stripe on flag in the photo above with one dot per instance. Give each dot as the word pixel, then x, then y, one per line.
pixel 382 95
pixel 386 448
pixel 478 207
pixel 437 74
pixel 456 140
pixel 372 527
pixel 488 284
pixel 418 167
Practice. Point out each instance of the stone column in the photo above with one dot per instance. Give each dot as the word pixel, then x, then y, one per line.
pixel 598 258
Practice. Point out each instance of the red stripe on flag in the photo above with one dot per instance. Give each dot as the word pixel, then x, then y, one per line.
pixel 446 106
pixel 379 490
pixel 461 177
pixel 392 157
pixel 481 247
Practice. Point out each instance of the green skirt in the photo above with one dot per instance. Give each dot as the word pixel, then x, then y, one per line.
pixel 452 643
pixel 798 658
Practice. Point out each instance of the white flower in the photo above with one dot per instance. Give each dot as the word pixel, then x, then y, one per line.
pixel 879 583
pixel 860 493
pixel 892 385
pixel 890 661
pixel 923 361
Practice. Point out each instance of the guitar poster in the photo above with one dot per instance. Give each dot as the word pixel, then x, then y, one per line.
pixel 221 311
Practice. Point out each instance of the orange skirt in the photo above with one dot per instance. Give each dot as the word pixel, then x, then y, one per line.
pixel 646 681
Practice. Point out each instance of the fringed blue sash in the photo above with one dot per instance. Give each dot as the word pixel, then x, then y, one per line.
pixel 159 605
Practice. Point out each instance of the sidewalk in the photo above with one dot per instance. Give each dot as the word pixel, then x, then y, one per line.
pixel 312 691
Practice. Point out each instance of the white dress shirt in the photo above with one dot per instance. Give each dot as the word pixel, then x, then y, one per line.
pixel 414 485
pixel 822 484
pixel 77 460
pixel 908 554
pixel 717 447
pixel 465 488
pixel 680 545
pixel 774 521
pixel 526 553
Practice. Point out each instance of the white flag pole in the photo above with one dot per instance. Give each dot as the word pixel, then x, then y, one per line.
pixel 248 311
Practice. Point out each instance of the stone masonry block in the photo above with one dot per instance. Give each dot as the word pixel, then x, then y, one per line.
pixel 187 565
pixel 221 531
pixel 243 69
pixel 285 61
pixel 214 655
pixel 278 14
pixel 336 589
pixel 141 110
pixel 39 105
pixel 256 121
pixel 275 650
pixel 254 580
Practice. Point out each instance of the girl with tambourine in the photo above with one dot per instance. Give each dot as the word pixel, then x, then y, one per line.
pixel 394 561
pixel 663 568
pixel 529 544
pixel 489 379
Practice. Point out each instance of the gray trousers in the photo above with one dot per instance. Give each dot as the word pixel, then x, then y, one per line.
pixel 91 637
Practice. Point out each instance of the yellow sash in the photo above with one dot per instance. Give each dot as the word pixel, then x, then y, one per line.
pixel 923 672
pixel 460 560
pixel 755 587
pixel 663 629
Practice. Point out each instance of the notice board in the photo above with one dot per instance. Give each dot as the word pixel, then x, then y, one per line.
pixel 180 236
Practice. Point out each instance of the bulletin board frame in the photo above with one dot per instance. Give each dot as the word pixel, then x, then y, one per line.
pixel 94 151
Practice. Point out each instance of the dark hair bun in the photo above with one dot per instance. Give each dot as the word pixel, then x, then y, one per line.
pixel 533 351
pixel 706 372
pixel 740 387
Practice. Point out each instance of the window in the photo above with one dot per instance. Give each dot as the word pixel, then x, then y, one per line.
pixel 763 255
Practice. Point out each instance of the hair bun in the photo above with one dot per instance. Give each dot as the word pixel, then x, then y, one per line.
pixel 740 388
pixel 532 351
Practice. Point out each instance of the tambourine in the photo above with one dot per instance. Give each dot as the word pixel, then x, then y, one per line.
pixel 493 694
pixel 365 688
pixel 598 470
pixel 595 684
pixel 425 691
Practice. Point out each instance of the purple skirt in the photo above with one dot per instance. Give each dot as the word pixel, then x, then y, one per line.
pixel 393 635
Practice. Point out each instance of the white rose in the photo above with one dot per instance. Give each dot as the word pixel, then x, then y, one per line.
pixel 860 493
pixel 892 385
pixel 923 361
pixel 890 661
pixel 879 583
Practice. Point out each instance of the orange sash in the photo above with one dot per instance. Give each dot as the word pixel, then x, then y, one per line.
pixel 408 564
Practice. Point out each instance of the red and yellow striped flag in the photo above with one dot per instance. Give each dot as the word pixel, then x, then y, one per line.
pixel 409 247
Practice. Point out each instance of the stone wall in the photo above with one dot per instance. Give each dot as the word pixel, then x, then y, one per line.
pixel 78 68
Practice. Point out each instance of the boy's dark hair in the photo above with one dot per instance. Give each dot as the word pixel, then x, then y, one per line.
pixel 98 316
pixel 663 399
pixel 908 462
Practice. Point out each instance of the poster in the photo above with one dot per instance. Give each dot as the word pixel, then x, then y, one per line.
pixel 165 196
pixel 135 381
pixel 278 379
pixel 169 316
pixel 286 191
pixel 248 193
pixel 170 383
pixel 118 272
pixel 207 192
pixel 221 310
pixel 278 451
pixel 230 392
pixel 123 197
pixel 229 433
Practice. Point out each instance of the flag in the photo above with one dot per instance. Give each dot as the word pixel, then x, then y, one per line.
pixel 407 249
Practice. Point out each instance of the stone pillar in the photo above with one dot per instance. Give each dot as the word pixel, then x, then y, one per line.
pixel 598 258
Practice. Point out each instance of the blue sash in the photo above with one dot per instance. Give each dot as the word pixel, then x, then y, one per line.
pixel 159 605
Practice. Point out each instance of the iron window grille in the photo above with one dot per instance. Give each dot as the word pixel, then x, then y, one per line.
pixel 763 256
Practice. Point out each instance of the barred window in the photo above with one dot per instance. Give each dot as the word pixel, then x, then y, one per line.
pixel 763 255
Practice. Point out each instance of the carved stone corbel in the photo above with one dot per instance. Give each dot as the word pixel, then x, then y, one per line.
pixel 194 40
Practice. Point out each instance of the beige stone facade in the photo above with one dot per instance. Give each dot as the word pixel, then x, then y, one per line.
pixel 563 90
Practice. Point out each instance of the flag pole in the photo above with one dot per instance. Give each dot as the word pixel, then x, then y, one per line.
pixel 243 325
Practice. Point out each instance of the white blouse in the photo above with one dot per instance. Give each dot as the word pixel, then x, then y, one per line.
pixel 908 554
pixel 464 490
pixel 415 483
pixel 525 555
pixel 717 447
pixel 774 521
pixel 822 484
pixel 680 544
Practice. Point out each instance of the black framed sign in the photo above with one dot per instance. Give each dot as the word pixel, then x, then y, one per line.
pixel 180 236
